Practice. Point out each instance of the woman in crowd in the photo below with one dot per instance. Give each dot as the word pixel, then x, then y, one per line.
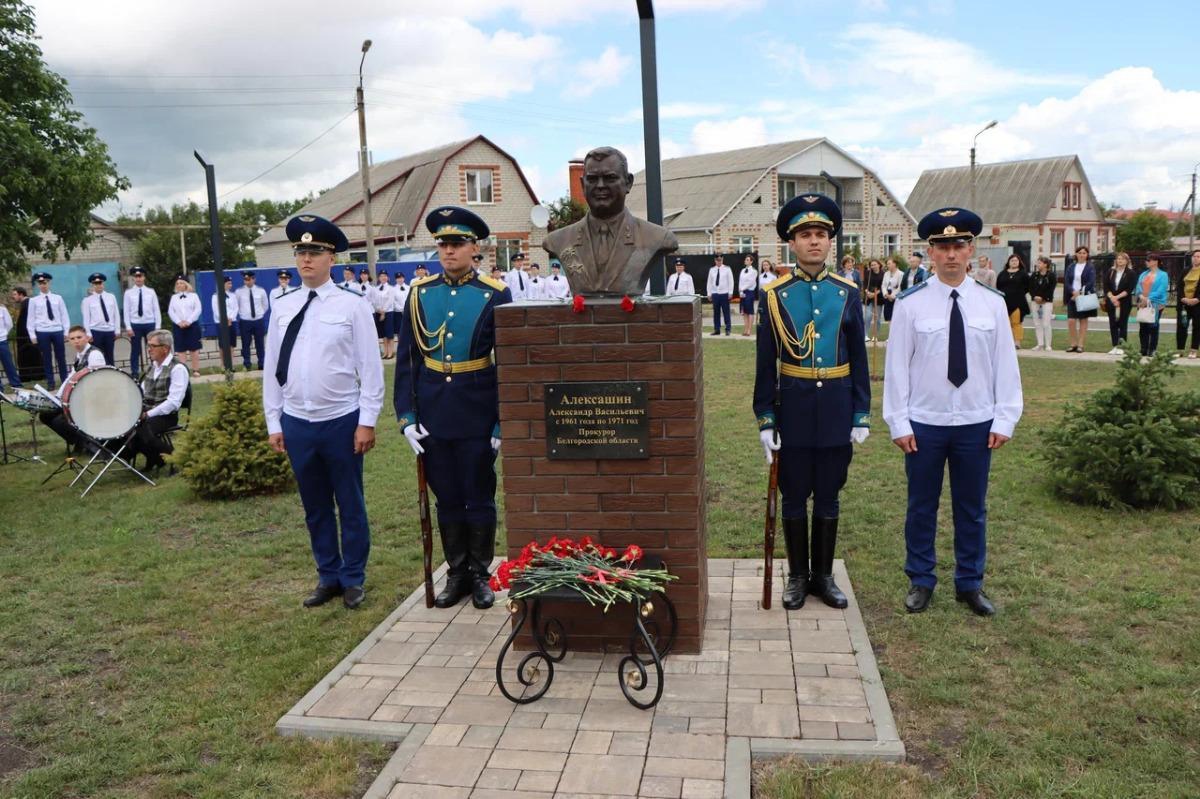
pixel 984 273
pixel 748 293
pixel 1151 293
pixel 849 270
pixel 1078 279
pixel 1013 283
pixel 872 291
pixel 1041 288
pixel 892 280
pixel 1118 291
pixel 1188 309
pixel 184 312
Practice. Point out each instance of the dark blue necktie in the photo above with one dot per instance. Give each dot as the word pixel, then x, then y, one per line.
pixel 956 368
pixel 521 280
pixel 140 312
pixel 289 340
pixel 253 311
pixel 103 308
pixel 49 308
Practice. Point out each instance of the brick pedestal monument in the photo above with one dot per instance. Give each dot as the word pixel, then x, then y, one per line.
pixel 647 491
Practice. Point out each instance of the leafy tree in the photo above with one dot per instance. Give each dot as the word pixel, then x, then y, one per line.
pixel 1144 231
pixel 56 169
pixel 565 211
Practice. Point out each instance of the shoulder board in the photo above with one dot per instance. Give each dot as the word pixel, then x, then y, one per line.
pixel 349 290
pixel 843 279
pixel 912 290
pixel 488 280
pixel 997 292
pixel 423 280
pixel 774 284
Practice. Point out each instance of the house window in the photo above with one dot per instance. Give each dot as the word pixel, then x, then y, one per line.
pixel 891 242
pixel 1071 193
pixel 1102 241
pixel 788 188
pixel 505 250
pixel 786 255
pixel 479 185
pixel 1056 241
pixel 743 244
pixel 851 242
pixel 1083 238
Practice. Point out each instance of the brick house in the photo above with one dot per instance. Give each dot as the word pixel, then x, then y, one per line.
pixel 1042 206
pixel 473 173
pixel 108 246
pixel 728 201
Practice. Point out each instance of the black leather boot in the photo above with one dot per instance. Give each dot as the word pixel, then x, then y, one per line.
pixel 481 548
pixel 824 540
pixel 458 581
pixel 795 535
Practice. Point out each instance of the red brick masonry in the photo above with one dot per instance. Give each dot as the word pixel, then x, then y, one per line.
pixel 656 502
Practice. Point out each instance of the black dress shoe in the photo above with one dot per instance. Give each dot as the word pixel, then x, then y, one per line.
pixel 353 597
pixel 481 593
pixel 917 599
pixel 457 587
pixel 322 594
pixel 977 601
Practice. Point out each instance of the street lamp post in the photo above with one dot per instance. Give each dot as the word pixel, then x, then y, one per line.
pixel 1192 220
pixel 654 202
pixel 986 128
pixel 363 165
pixel 214 226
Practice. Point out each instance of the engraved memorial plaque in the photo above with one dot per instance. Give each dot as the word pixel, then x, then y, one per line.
pixel 597 420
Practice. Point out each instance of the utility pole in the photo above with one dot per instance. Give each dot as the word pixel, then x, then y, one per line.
pixel 986 128
pixel 363 165
pixel 654 202
pixel 1192 221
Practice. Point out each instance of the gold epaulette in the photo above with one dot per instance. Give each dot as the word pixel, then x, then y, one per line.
pixel 422 281
pixel 488 280
pixel 774 284
pixel 846 280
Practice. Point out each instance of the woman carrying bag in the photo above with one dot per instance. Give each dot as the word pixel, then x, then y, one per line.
pixel 1041 288
pixel 1151 293
pixel 1079 289
pixel 1118 290
pixel 1188 306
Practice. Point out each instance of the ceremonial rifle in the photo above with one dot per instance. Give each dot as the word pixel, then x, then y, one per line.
pixel 426 529
pixel 769 531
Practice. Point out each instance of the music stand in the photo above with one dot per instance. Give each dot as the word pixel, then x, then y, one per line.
pixel 7 456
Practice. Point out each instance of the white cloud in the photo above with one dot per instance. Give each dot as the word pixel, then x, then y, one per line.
pixel 552 13
pixel 713 136
pixel 601 72
pixel 676 111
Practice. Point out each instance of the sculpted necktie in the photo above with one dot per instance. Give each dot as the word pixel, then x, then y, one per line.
pixel 956 368
pixel 289 340
pixel 141 310
pixel 49 308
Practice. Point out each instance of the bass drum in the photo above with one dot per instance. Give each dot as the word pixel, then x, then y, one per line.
pixel 103 402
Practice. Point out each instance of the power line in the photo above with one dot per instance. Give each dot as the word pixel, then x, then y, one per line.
pixel 290 157
pixel 207 105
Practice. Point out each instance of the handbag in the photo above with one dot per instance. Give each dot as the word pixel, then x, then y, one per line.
pixel 1146 316
pixel 1086 302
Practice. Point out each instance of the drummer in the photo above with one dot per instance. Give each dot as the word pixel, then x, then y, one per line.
pixel 164 388
pixel 87 356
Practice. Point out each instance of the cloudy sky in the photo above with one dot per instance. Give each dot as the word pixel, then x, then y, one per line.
pixel 902 85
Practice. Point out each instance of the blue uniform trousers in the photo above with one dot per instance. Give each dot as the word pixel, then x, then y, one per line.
pixel 327 470
pixel 817 472
pixel 256 329
pixel 140 331
pixel 720 303
pixel 105 340
pixel 10 368
pixel 53 342
pixel 965 448
pixel 462 474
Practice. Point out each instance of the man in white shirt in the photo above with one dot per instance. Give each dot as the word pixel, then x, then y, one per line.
pixel 48 324
pixel 143 314
pixel 252 306
pixel 322 393
pixel 348 281
pixel 720 287
pixel 86 357
pixel 681 281
pixel 6 358
pixel 285 285
pixel 748 292
pixel 164 392
pixel 951 393
pixel 516 279
pixel 101 319
pixel 557 287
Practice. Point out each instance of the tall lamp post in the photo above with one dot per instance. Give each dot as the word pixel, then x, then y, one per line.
pixel 654 202
pixel 363 165
pixel 214 227
pixel 1192 219
pixel 986 128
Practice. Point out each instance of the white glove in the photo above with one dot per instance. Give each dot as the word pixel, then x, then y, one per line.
pixel 414 433
pixel 495 444
pixel 770 443
pixel 859 434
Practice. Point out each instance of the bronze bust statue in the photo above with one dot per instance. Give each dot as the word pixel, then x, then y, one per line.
pixel 609 251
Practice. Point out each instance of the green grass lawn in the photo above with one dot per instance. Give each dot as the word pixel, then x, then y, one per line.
pixel 149 641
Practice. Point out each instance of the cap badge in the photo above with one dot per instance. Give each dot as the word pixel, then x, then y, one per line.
pixel 810 199
pixel 307 218
pixel 446 211
pixel 948 212
pixel 306 237
pixel 950 230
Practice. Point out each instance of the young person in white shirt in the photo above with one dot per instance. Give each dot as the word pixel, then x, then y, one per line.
pixel 719 290
pixel 184 313
pixel 143 315
pixel 101 316
pixel 748 293
pixel 48 324
pixel 680 282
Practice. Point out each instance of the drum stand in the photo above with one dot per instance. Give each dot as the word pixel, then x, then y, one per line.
pixel 10 457
pixel 102 448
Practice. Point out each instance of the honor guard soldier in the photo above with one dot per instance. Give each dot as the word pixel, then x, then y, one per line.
pixel 812 392
pixel 680 282
pixel 48 324
pixel 101 319
pixel 284 287
pixel 447 402
pixel 252 306
pixel 322 393
pixel 515 277
pixel 951 393
pixel 143 314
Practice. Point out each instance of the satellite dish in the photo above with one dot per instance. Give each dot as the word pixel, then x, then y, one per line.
pixel 539 215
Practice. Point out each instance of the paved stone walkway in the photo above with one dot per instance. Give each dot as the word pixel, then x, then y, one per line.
pixel 768 683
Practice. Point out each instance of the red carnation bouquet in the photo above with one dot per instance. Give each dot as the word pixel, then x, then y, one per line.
pixel 598 573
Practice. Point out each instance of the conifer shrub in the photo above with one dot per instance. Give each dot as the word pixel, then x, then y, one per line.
pixel 1135 444
pixel 225 454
